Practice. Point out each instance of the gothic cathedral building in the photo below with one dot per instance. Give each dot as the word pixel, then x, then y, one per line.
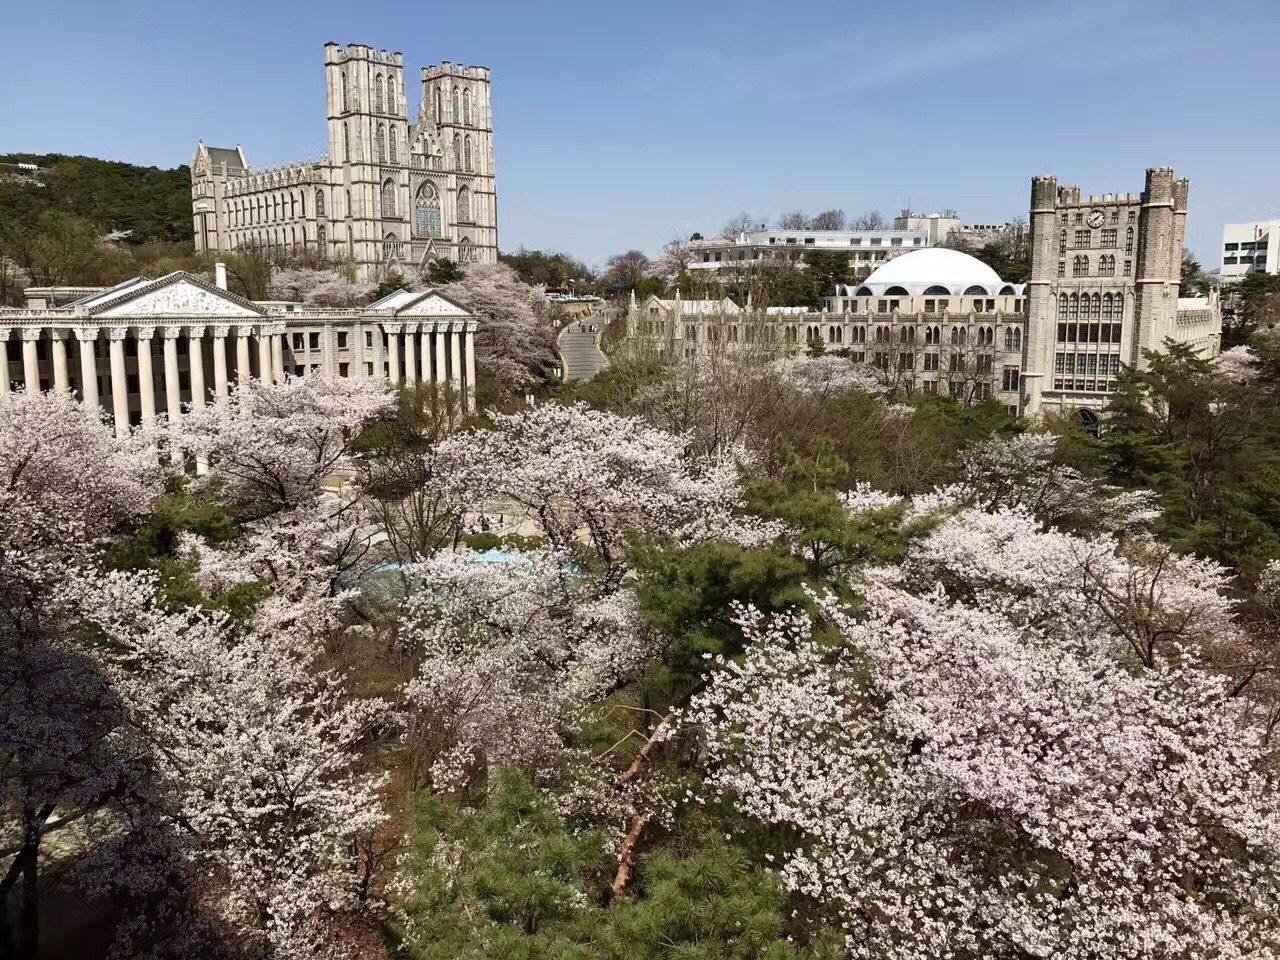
pixel 389 195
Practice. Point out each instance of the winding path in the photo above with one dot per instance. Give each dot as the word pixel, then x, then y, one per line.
pixel 579 348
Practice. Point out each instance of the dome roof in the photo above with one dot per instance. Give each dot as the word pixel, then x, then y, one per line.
pixel 934 266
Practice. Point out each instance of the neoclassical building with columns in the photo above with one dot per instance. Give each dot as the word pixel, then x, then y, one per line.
pixel 390 193
pixel 147 347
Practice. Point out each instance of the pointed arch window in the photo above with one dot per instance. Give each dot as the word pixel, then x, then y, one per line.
pixel 465 251
pixel 1128 240
pixel 1108 307
pixel 426 211
pixel 382 144
pixel 1073 308
pixel 302 202
pixel 391 94
pixel 322 240
pixel 464 204
pixel 439 106
pixel 388 198
pixel 1095 306
pixel 346 142
pixel 348 196
pixel 345 106
pixel 466 106
pixel 320 203
pixel 391 141
pixel 1062 243
pixel 390 243
pixel 457 152
pixel 377 94
pixel 466 152
pixel 456 114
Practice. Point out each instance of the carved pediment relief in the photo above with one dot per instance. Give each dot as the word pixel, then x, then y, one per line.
pixel 180 298
pixel 434 305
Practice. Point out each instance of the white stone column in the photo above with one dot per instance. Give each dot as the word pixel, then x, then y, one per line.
pixel 88 337
pixel 455 358
pixel 4 361
pixel 425 339
pixel 220 360
pixel 277 352
pixel 146 375
pixel 172 392
pixel 393 348
pixel 264 353
pixel 58 350
pixel 119 380
pixel 243 373
pixel 30 359
pixel 195 357
pixel 410 355
pixel 440 364
pixel 469 365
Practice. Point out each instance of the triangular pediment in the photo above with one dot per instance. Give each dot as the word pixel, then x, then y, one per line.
pixel 433 304
pixel 179 294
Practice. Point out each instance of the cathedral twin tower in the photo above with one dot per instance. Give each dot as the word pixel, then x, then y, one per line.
pixel 390 194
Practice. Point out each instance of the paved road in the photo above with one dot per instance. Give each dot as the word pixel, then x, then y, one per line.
pixel 577 346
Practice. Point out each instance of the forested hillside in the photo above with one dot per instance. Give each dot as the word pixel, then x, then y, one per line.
pixel 154 204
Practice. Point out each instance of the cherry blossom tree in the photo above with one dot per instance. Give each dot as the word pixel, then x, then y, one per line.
pixel 271 446
pixel 968 789
pixel 509 652
pixel 818 376
pixel 253 751
pixel 574 468
pixel 68 485
pixel 327 287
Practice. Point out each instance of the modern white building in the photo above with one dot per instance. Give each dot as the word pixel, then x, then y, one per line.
pixel 1250 248
pixel 147 347
pixel 866 248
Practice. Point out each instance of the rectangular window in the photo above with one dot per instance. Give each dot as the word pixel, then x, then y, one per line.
pixel 313 341
pixel 1060 363
pixel 1115 333
pixel 1115 216
pixel 717 258
pixel 1230 260
pixel 1062 268
pixel 1079 217
pixel 1083 237
pixel 1133 215
pixel 1062 333
pixel 809 241
pixel 133 382
pixel 930 386
pixel 1108 238
pixel 906 361
pixel 342 369
pixel 297 341
pixel 1009 378
pixel 368 369
pixel 706 258
pixel 882 306
pixel 342 341
pixel 929 306
pixel 1128 267
pixel 991 306
pixel 895 242
pixel 942 305
pixel 875 241
pixel 1071 363
pixel 977 306
pixel 931 361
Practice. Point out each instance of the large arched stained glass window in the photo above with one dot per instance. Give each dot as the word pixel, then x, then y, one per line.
pixel 464 204
pixel 320 203
pixel 388 198
pixel 426 212
pixel 391 134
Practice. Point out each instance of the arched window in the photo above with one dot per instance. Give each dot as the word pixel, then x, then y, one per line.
pixel 302 202
pixel 937 291
pixel 293 205
pixel 382 144
pixel 345 107
pixel 391 135
pixel 1128 240
pixel 1108 306
pixel 320 203
pixel 464 205
pixel 346 142
pixel 466 152
pixel 465 252
pixel 1095 306
pixel 902 335
pixel 1008 338
pixel 975 290
pixel 456 114
pixel 1062 307
pixel 348 194
pixel 426 211
pixel 897 292
pixel 1073 308
pixel 391 94
pixel 439 106
pixel 466 106
pixel 1062 243
pixel 377 94
pixel 389 244
pixel 388 198
pixel 457 151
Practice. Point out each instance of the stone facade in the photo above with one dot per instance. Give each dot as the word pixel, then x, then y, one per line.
pixel 388 194
pixel 1104 289
pixel 1103 292
pixel 148 347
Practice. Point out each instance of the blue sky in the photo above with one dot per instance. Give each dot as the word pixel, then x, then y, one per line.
pixel 620 125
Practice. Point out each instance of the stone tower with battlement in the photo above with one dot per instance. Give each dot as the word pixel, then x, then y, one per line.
pixel 390 194
pixel 1103 288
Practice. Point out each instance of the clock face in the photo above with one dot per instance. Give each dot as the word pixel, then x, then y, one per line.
pixel 1096 218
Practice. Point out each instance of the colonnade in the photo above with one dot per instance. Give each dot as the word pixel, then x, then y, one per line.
pixel 441 352
pixel 269 338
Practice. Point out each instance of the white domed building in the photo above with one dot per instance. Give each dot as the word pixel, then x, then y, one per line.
pixel 933 320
